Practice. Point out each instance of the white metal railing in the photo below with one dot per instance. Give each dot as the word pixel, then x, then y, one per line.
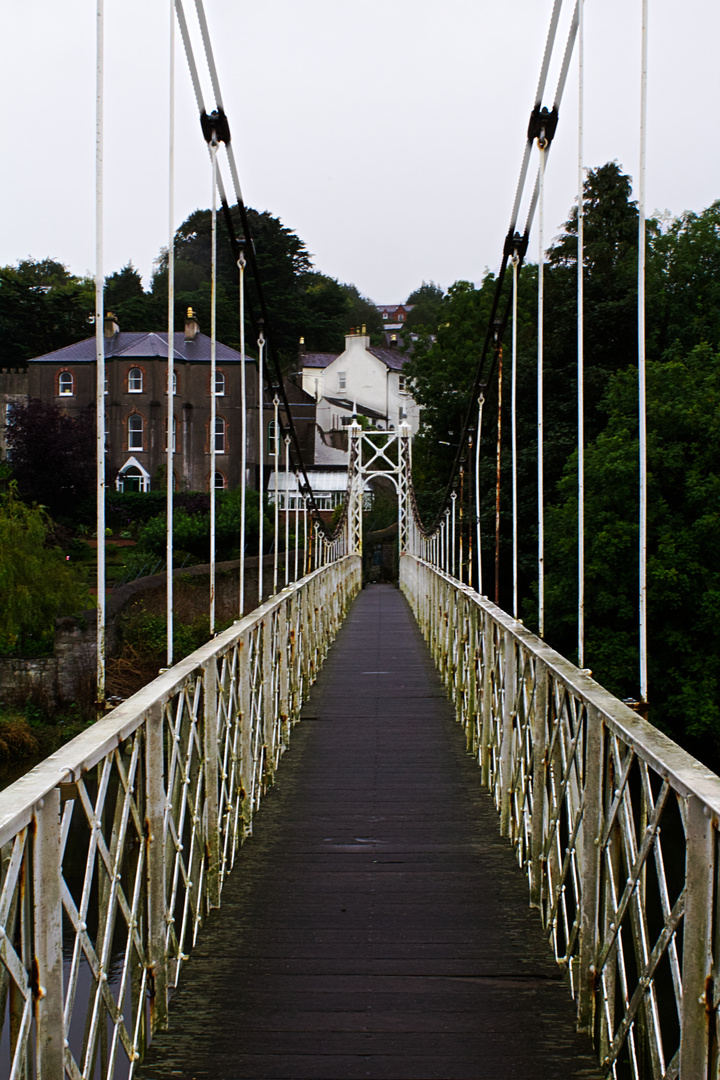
pixel 114 848
pixel 615 825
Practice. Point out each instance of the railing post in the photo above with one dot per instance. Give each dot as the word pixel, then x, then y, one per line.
pixel 590 867
pixel 507 734
pixel 47 919
pixel 697 1003
pixel 155 817
pixel 487 716
pixel 268 701
pixel 210 749
pixel 539 729
pixel 281 651
pixel 245 720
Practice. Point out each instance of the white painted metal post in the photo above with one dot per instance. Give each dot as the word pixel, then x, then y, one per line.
pixel 641 363
pixel 481 402
pixel 287 509
pixel 243 435
pixel 155 814
pixel 581 341
pixel 297 522
pixel 513 435
pixel 170 343
pixel 100 361
pixel 276 451
pixel 213 368
pixel 261 460
pixel 47 932
pixel 540 349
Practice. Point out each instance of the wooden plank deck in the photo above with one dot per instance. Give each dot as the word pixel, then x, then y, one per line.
pixel 376 925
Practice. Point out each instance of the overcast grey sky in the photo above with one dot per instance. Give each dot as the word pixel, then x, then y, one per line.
pixel 387 134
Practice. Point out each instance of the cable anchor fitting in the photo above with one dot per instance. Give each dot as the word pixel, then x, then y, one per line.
pixel 516 246
pixel 215 127
pixel 543 123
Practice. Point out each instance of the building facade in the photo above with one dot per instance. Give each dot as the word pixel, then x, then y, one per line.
pixel 136 405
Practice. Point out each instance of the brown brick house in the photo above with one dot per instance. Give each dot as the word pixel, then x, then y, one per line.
pixel 136 404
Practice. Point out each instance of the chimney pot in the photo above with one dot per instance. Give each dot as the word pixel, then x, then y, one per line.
pixel 110 327
pixel 192 326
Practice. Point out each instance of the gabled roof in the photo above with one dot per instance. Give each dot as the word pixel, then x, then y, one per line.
pixel 130 345
pixel 319 359
pixel 390 357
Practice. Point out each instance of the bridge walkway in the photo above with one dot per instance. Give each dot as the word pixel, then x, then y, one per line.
pixel 376 925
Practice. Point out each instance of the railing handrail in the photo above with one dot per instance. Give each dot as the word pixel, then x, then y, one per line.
pixel 84 751
pixel 687 775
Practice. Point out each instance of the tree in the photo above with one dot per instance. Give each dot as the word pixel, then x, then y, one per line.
pixel 39 434
pixel 36 584
pixel 426 303
pixel 42 307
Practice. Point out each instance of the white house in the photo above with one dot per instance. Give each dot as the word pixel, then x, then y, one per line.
pixel 362 379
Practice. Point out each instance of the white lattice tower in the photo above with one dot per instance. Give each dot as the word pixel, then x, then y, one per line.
pixel 403 485
pixel 356 486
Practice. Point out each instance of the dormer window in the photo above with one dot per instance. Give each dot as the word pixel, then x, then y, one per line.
pixel 135 381
pixel 66 382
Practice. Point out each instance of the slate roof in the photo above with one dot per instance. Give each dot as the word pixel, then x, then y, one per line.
pixel 318 359
pixel 362 410
pixel 390 357
pixel 126 344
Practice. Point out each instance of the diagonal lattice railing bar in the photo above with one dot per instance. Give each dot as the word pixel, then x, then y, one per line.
pixel 615 825
pixel 115 848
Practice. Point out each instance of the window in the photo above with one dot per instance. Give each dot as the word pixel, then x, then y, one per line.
pixel 342 380
pixel 107 383
pixel 385 315
pixel 107 431
pixel 219 481
pixel 219 435
pixel 174 437
pixel 400 316
pixel 219 384
pixel 272 436
pixel 135 432
pixel 401 384
pixel 174 383
pixel 135 381
pixel 65 384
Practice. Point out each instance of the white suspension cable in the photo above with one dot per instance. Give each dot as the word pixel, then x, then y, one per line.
pixel 481 402
pixel 306 566
pixel 276 450
pixel 100 355
pixel 513 434
pixel 261 460
pixel 243 434
pixel 642 408
pixel 213 395
pixel 581 339
pixel 170 340
pixel 287 509
pixel 184 33
pixel 297 522
pixel 540 350
pixel 453 500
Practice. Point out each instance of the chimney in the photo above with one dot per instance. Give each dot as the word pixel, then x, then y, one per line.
pixel 111 327
pixel 302 350
pixel 192 326
pixel 393 341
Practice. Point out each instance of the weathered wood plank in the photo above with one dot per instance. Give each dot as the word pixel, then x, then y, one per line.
pixel 376 924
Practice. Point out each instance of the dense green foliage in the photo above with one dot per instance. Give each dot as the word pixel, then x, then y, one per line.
pixel 42 307
pixel 683 411
pixel 36 584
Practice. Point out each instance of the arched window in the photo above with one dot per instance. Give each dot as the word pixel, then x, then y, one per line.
pixel 271 436
pixel 135 432
pixel 174 430
pixel 219 384
pixel 219 435
pixel 66 384
pixel 174 382
pixel 220 482
pixel 135 381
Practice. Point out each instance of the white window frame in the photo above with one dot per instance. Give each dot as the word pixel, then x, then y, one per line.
pixel 220 434
pixel 135 389
pixel 342 380
pixel 271 437
pixel 219 384
pixel 223 485
pixel 134 432
pixel 62 391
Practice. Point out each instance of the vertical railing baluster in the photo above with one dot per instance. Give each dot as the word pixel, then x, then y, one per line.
pixel 507 733
pixel 591 863
pixel 697 982
pixel 539 765
pixel 157 896
pixel 487 697
pixel 47 931
pixel 210 752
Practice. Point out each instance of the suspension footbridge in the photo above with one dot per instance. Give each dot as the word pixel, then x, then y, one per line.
pixel 490 868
